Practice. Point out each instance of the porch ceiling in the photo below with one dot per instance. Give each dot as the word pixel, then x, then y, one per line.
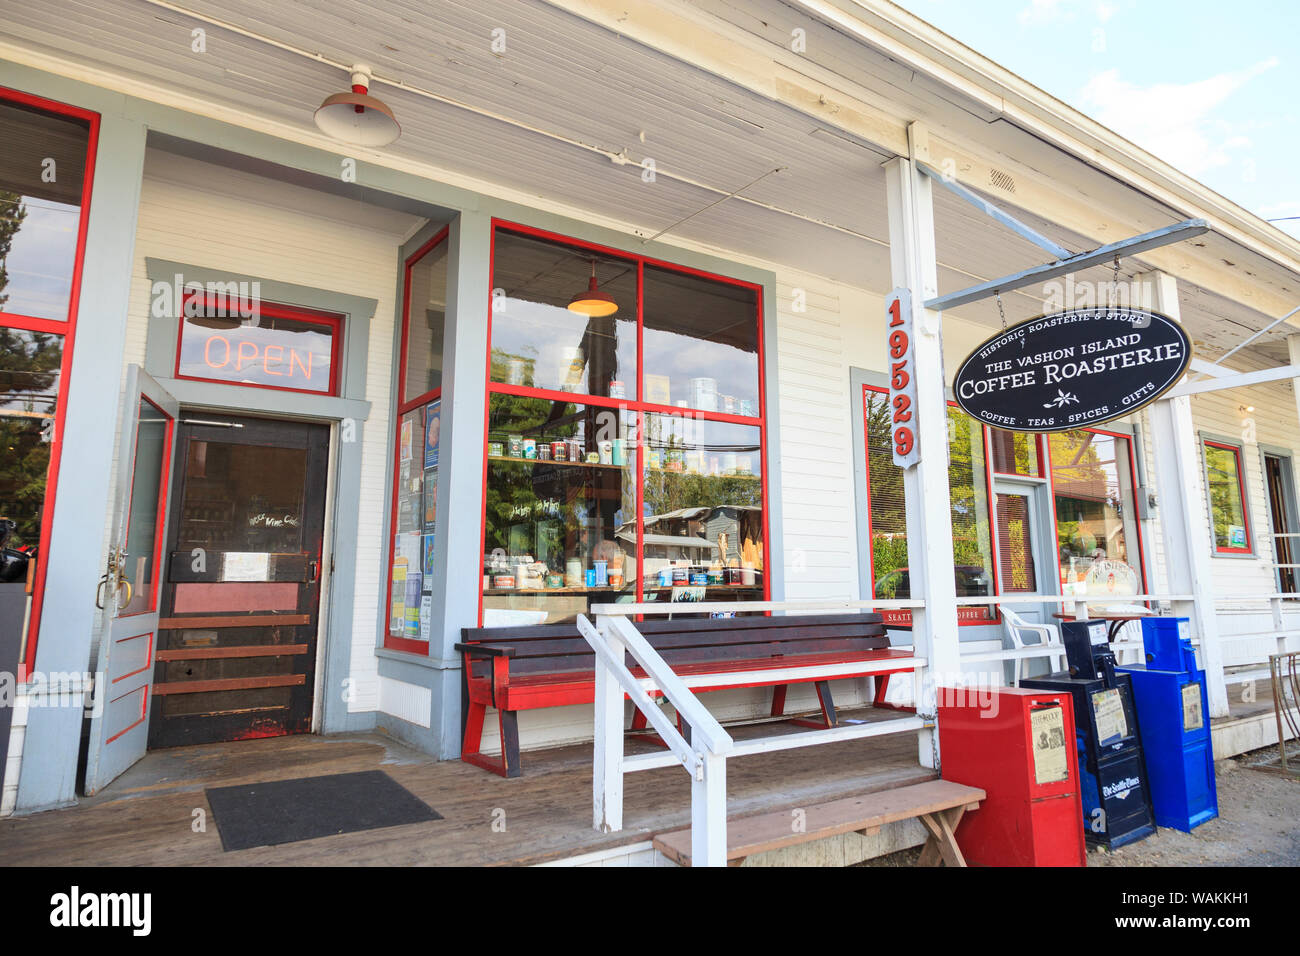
pixel 567 94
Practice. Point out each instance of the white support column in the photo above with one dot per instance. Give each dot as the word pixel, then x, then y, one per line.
pixel 1183 520
pixel 925 485
pixel 607 767
pixel 709 812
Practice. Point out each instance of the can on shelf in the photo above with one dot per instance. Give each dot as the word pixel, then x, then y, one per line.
pixel 560 450
pixel 530 448
pixel 515 444
pixel 543 452
pixel 496 449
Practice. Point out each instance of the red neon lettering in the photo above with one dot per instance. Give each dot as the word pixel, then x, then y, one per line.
pixel 207 349
pixel 251 355
pixel 306 369
pixel 266 358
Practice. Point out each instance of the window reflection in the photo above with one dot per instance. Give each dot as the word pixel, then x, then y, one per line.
pixel 29 386
pixel 538 342
pixel 703 510
pixel 42 167
pixel 1096 532
pixel 701 343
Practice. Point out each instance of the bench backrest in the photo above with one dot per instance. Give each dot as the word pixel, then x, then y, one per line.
pixel 557 648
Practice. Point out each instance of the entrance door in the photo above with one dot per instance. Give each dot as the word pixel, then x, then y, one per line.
pixel 241 603
pixel 129 590
pixel 1277 471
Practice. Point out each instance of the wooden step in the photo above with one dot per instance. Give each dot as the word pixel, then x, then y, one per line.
pixel 939 803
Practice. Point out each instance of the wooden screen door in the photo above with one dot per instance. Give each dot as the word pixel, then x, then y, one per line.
pixel 1016 527
pixel 241 602
pixel 129 592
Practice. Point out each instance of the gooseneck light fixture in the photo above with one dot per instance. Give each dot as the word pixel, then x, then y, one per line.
pixel 592 301
pixel 357 117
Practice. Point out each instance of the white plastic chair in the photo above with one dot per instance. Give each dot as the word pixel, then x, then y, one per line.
pixel 1048 636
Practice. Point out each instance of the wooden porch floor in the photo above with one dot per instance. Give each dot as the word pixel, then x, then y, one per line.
pixel 145 817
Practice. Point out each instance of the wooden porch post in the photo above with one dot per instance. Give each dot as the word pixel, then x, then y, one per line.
pixel 925 485
pixel 1184 519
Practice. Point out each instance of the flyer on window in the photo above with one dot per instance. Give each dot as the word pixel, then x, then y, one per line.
pixel 432 429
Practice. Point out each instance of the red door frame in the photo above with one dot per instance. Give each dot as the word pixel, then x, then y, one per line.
pixel 68 330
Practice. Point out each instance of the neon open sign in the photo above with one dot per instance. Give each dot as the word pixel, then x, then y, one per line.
pixel 278 347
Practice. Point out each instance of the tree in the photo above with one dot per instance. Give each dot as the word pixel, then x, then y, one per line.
pixel 12 214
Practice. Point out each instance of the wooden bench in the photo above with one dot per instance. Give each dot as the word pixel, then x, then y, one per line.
pixel 524 668
pixel 940 805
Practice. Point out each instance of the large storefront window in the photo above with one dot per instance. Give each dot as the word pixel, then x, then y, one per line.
pixel 46 167
pixel 1096 528
pixel 624 450
pixel 417 440
pixel 969 498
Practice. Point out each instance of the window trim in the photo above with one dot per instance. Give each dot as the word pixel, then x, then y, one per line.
pixel 402 407
pixel 68 330
pixel 635 405
pixel 1238 450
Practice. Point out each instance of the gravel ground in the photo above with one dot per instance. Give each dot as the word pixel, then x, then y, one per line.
pixel 1258 825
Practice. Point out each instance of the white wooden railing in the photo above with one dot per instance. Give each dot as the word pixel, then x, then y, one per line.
pixel 705 755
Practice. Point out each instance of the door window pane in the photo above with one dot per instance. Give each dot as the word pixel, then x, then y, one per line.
pixel 1096 530
pixel 703 510
pixel 152 428
pixel 538 341
pixel 701 343
pixel 42 169
pixel 1015 545
pixel 561 508
pixel 426 322
pixel 415 525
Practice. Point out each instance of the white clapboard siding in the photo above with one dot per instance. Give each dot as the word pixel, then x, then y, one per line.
pixel 192 212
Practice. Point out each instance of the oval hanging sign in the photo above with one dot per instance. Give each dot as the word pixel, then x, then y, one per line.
pixel 1072 369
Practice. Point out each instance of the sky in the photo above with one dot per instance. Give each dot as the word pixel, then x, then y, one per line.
pixel 1212 88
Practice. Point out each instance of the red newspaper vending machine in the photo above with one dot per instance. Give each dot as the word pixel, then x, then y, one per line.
pixel 1018 746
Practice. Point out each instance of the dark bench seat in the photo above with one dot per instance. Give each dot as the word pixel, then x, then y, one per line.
pixel 551 665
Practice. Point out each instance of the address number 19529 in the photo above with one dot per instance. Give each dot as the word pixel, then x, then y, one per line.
pixel 900 378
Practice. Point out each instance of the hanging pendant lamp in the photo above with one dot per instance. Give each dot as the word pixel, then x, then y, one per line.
pixel 591 301
pixel 357 117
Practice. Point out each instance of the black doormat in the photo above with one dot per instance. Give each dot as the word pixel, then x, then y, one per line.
pixel 286 811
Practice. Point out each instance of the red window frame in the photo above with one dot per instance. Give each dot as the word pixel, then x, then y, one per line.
pixel 68 330
pixel 1241 494
pixel 1132 477
pixel 903 616
pixel 391 642
pixel 329 320
pixel 635 405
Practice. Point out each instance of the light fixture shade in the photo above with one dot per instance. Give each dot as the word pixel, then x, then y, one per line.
pixel 358 118
pixel 592 301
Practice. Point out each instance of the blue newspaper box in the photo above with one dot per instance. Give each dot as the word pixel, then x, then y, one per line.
pixel 1173 715
pixel 1113 788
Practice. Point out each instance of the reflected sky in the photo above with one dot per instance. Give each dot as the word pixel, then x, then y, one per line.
pixel 41 259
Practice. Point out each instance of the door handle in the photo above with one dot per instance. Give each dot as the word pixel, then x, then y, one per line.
pixel 114 577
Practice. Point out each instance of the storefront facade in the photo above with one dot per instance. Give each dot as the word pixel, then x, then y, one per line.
pixel 322 408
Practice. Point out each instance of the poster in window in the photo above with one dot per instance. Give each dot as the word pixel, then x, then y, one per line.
pixel 428 562
pixel 432 430
pixel 397 615
pixel 406 438
pixel 414 580
pixel 430 499
pixel 1237 535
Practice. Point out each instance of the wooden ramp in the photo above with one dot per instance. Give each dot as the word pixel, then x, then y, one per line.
pixel 939 804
